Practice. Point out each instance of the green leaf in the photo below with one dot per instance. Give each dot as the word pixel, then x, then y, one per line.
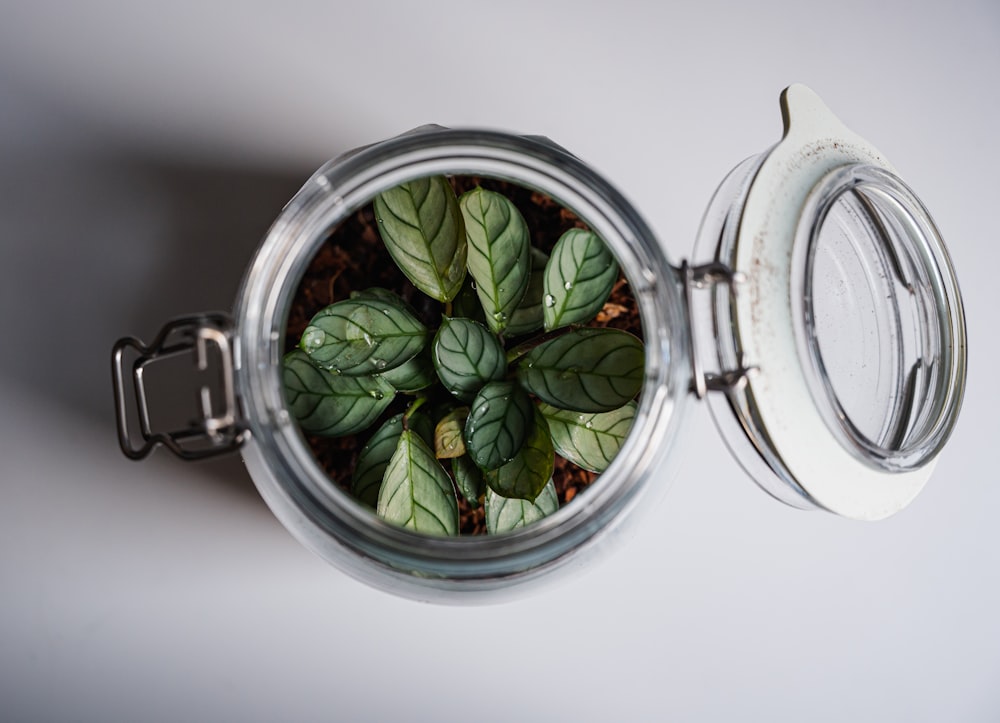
pixel 380 294
pixel 421 226
pixel 329 404
pixel 466 356
pixel 526 475
pixel 375 455
pixel 468 478
pixel 529 316
pixel 498 253
pixel 578 278
pixel 586 370
pixel 417 492
pixel 413 375
pixel 363 336
pixel 466 304
pixel 373 459
pixel 590 441
pixel 498 424
pixel 448 440
pixel 506 514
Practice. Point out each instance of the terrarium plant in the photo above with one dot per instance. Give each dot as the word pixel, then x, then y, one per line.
pixel 509 376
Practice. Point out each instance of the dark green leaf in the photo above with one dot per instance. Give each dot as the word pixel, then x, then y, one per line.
pixel 578 278
pixel 375 455
pixel 466 304
pixel 468 478
pixel 417 492
pixel 363 336
pixel 506 514
pixel 448 439
pixel 330 404
pixel 380 294
pixel 422 425
pixel 498 253
pixel 466 356
pixel 529 316
pixel 413 375
pixel 421 226
pixel 373 459
pixel 498 424
pixel 526 475
pixel 589 440
pixel 586 370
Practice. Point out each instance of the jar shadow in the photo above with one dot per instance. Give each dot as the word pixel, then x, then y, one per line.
pixel 101 243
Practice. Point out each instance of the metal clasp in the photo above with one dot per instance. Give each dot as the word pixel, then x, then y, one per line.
pixel 708 276
pixel 216 428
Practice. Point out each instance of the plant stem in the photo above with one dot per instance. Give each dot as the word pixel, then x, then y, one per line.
pixel 414 406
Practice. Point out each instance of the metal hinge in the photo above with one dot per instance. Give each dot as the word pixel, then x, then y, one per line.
pixel 708 276
pixel 216 428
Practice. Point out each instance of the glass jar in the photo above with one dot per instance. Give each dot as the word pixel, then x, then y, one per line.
pixel 825 328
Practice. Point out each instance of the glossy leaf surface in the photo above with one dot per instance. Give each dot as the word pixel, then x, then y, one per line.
pixel 373 459
pixel 421 226
pixel 498 255
pixel 526 475
pixel 329 404
pixel 578 279
pixel 468 479
pixel 586 370
pixel 589 440
pixel 499 422
pixel 375 455
pixel 358 337
pixel 412 375
pixel 506 514
pixel 466 356
pixel 417 492
pixel 466 304
pixel 529 316
pixel 380 294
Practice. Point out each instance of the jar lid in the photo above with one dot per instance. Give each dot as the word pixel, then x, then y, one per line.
pixel 842 324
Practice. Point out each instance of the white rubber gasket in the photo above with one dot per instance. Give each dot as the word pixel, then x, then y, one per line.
pixel 815 143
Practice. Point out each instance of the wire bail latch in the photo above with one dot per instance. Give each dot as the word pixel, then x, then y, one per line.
pixel 216 428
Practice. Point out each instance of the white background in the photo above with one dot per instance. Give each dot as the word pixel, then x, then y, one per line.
pixel 144 149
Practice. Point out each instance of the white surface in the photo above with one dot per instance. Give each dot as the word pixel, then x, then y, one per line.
pixel 143 150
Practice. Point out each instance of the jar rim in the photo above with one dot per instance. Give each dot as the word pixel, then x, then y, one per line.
pixel 337 527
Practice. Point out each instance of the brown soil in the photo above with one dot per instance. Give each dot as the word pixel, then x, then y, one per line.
pixel 354 258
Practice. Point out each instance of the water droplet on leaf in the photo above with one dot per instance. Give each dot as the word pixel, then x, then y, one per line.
pixel 550 300
pixel 568 285
pixel 314 338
